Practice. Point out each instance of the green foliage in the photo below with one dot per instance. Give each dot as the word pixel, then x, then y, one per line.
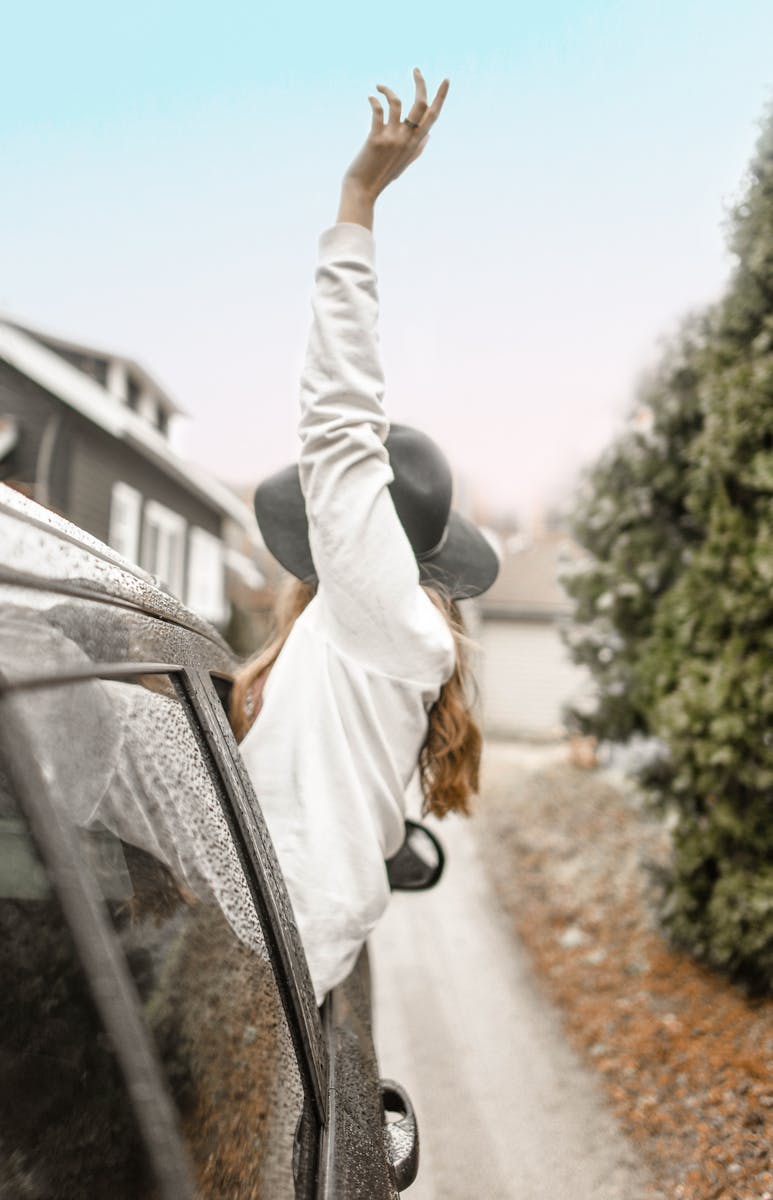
pixel 694 652
pixel 632 516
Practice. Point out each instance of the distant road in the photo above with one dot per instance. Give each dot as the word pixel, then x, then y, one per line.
pixel 505 1109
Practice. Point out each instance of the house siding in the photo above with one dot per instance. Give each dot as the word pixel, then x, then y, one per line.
pixel 91 481
pixel 98 460
pixel 527 677
pixel 61 464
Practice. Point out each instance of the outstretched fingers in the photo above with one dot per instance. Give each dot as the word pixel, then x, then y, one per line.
pixel 377 122
pixel 395 107
pixel 433 112
pixel 419 106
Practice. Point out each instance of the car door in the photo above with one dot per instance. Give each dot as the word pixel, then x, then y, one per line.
pixel 139 865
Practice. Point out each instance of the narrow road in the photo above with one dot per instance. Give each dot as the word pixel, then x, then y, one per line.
pixel 505 1109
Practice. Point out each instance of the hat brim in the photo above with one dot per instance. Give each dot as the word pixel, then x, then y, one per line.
pixel 464 566
pixel 281 513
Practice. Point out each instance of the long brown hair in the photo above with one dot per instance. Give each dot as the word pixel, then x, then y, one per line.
pixel 449 760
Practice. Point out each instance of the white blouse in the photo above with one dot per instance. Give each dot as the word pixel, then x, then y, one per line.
pixel 344 713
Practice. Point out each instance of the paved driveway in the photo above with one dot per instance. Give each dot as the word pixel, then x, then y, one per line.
pixel 506 1111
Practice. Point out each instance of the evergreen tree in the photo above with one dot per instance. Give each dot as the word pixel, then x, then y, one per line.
pixel 704 680
pixel 631 515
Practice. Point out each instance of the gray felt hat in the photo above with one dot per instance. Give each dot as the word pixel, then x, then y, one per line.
pixel 451 552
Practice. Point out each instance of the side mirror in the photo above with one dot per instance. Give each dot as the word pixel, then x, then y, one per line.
pixel 418 863
pixel 401 1134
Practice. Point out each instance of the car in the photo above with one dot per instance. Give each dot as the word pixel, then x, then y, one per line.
pixel 160 1035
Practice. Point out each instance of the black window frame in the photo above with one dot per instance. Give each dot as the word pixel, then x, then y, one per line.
pixel 95 941
pixel 101 959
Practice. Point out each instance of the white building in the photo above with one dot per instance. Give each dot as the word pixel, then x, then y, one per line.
pixel 526 674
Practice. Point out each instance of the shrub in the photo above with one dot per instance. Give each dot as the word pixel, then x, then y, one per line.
pixel 681 526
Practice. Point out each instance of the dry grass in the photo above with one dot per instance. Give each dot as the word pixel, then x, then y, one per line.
pixel 687 1060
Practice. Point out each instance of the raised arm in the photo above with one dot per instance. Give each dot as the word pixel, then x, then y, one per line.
pixel 369 579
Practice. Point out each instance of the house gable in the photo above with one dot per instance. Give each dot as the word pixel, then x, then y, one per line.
pixel 85 396
pixel 76 446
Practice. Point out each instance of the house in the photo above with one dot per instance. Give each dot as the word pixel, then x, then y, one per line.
pixel 86 433
pixel 526 674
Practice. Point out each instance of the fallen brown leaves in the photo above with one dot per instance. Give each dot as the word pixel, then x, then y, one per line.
pixel 687 1060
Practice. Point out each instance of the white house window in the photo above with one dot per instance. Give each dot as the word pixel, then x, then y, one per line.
pixel 206 575
pixel 125 507
pixel 163 545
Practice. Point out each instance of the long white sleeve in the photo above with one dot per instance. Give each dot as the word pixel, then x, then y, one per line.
pixel 369 579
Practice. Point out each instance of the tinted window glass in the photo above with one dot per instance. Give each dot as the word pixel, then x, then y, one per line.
pixel 128 766
pixel 67 1128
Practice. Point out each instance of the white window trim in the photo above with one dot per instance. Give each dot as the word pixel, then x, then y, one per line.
pixel 116 379
pixel 206 575
pixel 125 512
pixel 164 530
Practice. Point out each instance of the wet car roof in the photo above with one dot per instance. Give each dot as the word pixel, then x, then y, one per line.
pixel 39 548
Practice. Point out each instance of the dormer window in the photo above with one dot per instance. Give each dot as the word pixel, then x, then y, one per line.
pixel 96 368
pixel 124 379
pixel 132 394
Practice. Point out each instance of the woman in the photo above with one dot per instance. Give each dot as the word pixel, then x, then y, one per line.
pixel 362 691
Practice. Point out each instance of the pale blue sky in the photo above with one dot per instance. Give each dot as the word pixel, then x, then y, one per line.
pixel 167 168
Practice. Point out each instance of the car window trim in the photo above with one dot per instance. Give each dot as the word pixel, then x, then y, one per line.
pixel 327 1175
pixel 250 834
pixel 80 591
pixel 104 966
pixel 109 671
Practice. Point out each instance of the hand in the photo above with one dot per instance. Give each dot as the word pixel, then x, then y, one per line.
pixel 392 145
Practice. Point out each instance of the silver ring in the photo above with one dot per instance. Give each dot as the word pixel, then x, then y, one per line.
pixel 411 124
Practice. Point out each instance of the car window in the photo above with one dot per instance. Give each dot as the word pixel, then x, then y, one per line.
pixel 125 762
pixel 68 1127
